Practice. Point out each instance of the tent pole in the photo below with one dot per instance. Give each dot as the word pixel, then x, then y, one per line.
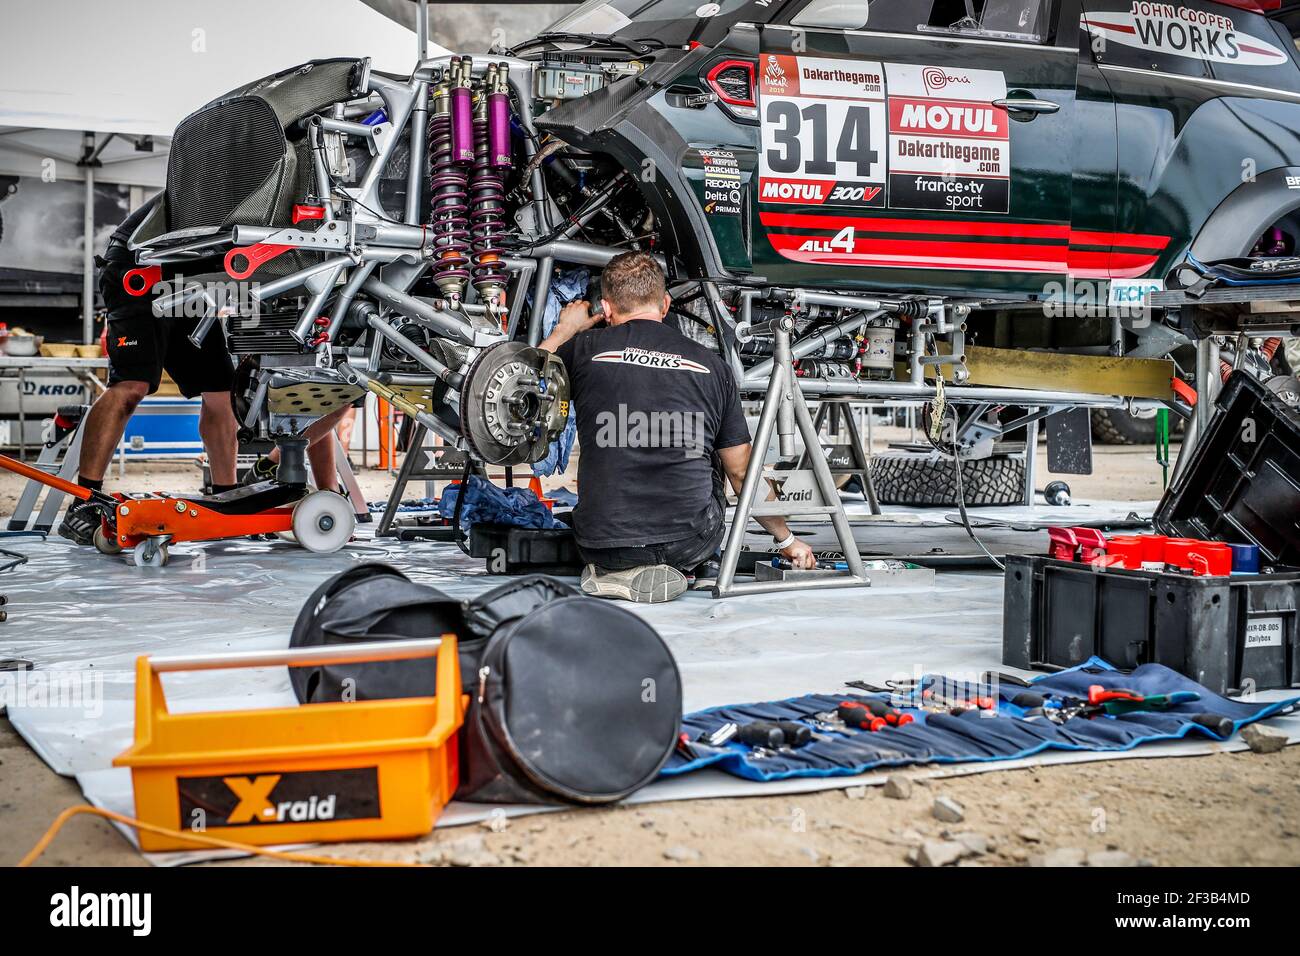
pixel 88 252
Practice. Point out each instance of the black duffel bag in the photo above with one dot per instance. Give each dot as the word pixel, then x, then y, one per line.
pixel 572 699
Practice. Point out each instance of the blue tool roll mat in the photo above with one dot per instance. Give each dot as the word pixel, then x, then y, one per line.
pixel 935 737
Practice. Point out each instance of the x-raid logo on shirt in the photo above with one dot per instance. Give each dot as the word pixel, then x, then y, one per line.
pixel 648 359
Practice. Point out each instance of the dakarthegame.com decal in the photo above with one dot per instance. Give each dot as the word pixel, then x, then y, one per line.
pixel 1182 31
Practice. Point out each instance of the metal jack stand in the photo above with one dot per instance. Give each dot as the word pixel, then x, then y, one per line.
pixel 422 463
pixel 784 407
pixel 66 442
pixel 851 459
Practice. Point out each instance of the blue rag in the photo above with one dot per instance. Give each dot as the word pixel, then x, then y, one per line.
pixel 486 502
pixel 566 286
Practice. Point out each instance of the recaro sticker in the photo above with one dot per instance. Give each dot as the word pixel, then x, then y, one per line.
pixel 1182 31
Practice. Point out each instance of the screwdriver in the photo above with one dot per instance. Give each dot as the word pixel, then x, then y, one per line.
pixel 893 716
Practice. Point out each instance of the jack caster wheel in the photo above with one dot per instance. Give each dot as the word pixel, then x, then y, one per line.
pixel 150 554
pixel 323 521
pixel 106 543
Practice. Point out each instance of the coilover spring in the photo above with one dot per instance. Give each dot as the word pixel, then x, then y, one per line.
pixel 487 217
pixel 449 194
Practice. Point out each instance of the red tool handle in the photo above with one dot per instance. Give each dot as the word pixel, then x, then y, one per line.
pixel 854 714
pixel 1063 543
pixel 1099 695
pixel 138 282
pixel 45 478
pixel 252 257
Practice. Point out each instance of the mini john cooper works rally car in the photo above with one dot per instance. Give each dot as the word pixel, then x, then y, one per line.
pixel 1037 201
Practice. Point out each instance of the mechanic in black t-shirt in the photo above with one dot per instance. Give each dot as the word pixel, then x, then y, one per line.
pixel 140 347
pixel 659 422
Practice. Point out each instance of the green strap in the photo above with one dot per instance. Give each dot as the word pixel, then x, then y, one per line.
pixel 1162 445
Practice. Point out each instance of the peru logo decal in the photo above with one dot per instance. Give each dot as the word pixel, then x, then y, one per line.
pixel 1182 31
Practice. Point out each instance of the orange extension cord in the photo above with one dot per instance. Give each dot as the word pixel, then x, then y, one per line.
pixel 44 842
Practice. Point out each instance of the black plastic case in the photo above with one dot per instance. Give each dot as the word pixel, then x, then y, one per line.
pixel 1228 633
pixel 1242 484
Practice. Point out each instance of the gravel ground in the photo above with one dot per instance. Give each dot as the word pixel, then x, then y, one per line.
pixel 1223 809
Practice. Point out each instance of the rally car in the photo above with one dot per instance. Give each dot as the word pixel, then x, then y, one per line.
pixel 993 192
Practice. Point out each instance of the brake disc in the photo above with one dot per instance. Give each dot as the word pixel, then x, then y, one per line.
pixel 514 403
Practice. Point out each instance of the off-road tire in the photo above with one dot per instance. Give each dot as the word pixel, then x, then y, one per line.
pixel 908 479
pixel 1114 426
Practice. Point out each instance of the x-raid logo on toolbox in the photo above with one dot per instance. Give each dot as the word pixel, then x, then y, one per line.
pixel 1182 31
pixel 290 797
pixel 648 359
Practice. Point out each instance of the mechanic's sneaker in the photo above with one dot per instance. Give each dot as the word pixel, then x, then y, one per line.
pixel 649 584
pixel 80 522
pixel 263 470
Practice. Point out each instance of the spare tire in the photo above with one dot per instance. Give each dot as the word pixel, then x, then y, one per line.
pixel 902 478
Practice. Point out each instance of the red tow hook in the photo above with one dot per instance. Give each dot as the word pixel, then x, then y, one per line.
pixel 242 261
pixel 138 282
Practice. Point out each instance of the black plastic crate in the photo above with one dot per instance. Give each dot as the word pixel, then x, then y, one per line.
pixel 512 550
pixel 1242 484
pixel 1227 633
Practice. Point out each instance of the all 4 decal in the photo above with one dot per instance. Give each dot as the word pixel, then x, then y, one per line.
pixel 866 134
pixel 1183 31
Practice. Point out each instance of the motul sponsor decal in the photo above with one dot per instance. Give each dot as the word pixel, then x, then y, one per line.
pixel 1182 31
pixel 949 146
pixel 289 797
pixel 648 359
pixel 864 134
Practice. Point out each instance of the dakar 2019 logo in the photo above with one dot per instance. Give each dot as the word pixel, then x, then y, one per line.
pixel 774 75
pixel 1182 31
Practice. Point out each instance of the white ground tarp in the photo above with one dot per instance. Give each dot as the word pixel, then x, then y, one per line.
pixel 85 628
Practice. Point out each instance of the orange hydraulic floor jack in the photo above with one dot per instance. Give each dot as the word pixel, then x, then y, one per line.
pixel 321 521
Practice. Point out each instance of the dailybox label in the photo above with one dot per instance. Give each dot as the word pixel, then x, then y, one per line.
pixel 1263 632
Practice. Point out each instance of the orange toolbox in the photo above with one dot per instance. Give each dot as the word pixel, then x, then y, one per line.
pixel 315 773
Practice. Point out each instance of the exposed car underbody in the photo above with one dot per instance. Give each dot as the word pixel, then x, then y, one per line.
pixel 401 236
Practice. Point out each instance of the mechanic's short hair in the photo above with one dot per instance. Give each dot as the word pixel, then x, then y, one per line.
pixel 633 280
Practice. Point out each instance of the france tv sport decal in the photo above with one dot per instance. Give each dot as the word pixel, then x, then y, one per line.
pixel 1182 31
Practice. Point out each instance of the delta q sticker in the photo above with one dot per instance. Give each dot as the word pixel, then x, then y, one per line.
pixel 1182 31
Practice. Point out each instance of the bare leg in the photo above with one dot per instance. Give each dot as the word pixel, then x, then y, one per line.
pixel 102 430
pixel 323 467
pixel 219 431
pixel 346 424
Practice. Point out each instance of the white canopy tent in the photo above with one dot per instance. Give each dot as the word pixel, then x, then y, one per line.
pixel 91 91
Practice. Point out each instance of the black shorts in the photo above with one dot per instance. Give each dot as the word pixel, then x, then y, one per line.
pixel 141 347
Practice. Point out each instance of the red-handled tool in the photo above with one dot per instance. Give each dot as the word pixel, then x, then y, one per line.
pixel 1092 544
pixel 878 708
pixel 855 715
pixel 1063 544
pixel 242 261
pixel 139 281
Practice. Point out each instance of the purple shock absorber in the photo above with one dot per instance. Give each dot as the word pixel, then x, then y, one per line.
pixel 449 195
pixel 462 113
pixel 498 116
pixel 487 210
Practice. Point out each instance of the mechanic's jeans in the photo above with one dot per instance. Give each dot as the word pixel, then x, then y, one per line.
pixel 685 555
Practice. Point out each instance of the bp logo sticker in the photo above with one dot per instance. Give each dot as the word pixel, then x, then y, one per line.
pixel 1182 31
